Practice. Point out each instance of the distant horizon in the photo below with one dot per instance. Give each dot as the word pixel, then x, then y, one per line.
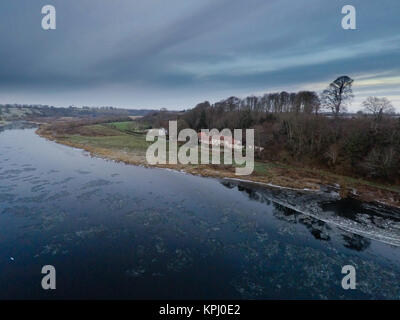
pixel 351 108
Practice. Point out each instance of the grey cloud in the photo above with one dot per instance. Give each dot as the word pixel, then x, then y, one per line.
pixel 188 48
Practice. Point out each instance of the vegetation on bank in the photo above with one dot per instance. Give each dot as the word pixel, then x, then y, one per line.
pixel 293 130
pixel 126 141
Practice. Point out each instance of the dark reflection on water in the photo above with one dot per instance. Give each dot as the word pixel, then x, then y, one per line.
pixel 319 229
pixel 356 210
pixel 117 231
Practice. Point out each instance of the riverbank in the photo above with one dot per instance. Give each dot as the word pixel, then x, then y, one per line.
pixel 123 143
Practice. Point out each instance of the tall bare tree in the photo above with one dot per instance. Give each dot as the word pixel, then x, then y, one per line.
pixel 338 94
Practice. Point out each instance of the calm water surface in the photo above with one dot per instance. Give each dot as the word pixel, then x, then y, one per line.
pixel 118 231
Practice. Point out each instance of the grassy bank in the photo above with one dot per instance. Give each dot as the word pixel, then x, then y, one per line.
pixel 126 142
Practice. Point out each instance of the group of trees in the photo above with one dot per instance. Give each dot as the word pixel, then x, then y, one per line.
pixel 295 128
pixel 243 113
pixel 357 146
pixel 283 102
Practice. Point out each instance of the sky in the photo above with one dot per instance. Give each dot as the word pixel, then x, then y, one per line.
pixel 174 54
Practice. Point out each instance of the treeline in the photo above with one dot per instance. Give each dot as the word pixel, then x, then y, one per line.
pixel 243 113
pixel 292 129
pixel 361 145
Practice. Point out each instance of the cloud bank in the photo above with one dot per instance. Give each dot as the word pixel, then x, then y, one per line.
pixel 152 53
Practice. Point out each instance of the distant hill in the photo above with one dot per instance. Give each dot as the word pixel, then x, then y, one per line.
pixel 10 112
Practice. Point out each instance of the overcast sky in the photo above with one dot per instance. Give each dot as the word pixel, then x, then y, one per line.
pixel 176 53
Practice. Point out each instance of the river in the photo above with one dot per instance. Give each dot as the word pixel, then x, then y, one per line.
pixel 115 231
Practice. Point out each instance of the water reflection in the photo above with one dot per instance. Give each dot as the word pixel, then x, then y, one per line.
pixel 356 242
pixel 319 229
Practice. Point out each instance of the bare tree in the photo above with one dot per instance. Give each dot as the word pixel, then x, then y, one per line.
pixel 382 163
pixel 338 95
pixel 378 107
pixel 333 153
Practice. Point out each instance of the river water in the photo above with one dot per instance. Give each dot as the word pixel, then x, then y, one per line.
pixel 125 232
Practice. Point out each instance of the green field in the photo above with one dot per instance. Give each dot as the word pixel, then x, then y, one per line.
pixel 128 126
pixel 115 136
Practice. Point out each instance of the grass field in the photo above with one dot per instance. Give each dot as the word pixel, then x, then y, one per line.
pixel 128 126
pixel 116 136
